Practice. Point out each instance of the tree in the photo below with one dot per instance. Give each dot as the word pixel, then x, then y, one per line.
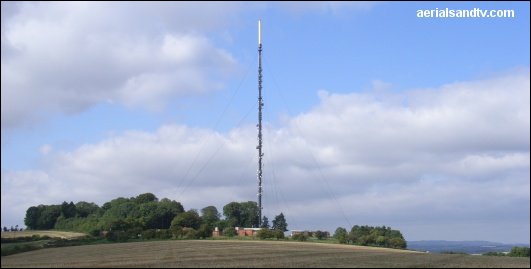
pixel 299 237
pixel 249 214
pixel 188 219
pixel 68 210
pixel 265 223
pixel 341 235
pixel 32 217
pixel 48 217
pixel 210 216
pixel 243 214
pixel 204 231
pixel 278 234
pixel 146 198
pixel 279 223
pixel 397 243
pixel 519 252
pixel 319 235
pixel 265 234
pixel 83 209
pixel 232 213
pixel 229 231
pixel 166 211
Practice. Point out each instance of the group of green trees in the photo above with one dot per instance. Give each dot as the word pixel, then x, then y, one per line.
pixel 515 252
pixel 371 236
pixel 144 216
pixel 144 211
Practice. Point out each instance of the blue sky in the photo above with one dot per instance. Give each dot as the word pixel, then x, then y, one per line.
pixel 363 100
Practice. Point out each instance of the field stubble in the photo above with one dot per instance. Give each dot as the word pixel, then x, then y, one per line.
pixel 213 253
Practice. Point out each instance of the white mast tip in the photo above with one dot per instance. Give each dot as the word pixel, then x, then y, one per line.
pixel 259 32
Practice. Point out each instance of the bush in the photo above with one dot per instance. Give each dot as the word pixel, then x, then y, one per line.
pixel 163 234
pixel 148 234
pixel 320 235
pixel 95 232
pixel 229 231
pixel 8 250
pixel 189 233
pixel 278 234
pixel 265 234
pixel 117 236
pixel 204 231
pixel 519 252
pixel 397 243
pixel 299 237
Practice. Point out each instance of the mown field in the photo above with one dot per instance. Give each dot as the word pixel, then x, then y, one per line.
pixel 214 253
pixel 52 234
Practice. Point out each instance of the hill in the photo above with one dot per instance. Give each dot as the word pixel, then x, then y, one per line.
pixel 470 247
pixel 224 253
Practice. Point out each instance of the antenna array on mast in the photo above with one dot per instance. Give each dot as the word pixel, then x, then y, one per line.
pixel 260 105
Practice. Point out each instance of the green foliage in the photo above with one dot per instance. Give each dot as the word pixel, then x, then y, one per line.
pixel 145 198
pixel 519 252
pixel 232 213
pixel 144 216
pixel 265 234
pixel 148 234
pixel 9 250
pixel 278 234
pixel 243 214
pixel 320 235
pixel 210 216
pixel 204 231
pixel 279 223
pixel 373 236
pixel 32 217
pixel 299 237
pixel 229 232
pixel 188 219
pixel 84 209
pixel 341 235
pixel 265 223
pixel 221 224
pixel 68 210
pixel 95 232
pixel 42 217
pixel 117 236
pixel 139 213
pixel 189 233
pixel 268 233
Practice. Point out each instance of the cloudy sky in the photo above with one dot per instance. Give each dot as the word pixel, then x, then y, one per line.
pixel 372 115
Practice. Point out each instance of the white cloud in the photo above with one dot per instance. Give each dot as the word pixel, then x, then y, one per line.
pixel 455 155
pixel 64 58
pixel 45 149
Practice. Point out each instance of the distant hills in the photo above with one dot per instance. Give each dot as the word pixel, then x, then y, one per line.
pixel 470 247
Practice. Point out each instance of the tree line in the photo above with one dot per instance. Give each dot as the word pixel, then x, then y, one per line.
pixel 145 216
pixel 371 236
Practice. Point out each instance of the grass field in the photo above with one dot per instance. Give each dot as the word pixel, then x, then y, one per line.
pixel 213 253
pixel 52 234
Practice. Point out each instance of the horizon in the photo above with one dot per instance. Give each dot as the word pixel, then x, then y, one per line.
pixel 373 115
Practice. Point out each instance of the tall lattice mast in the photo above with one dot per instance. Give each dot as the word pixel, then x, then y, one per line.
pixel 260 105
